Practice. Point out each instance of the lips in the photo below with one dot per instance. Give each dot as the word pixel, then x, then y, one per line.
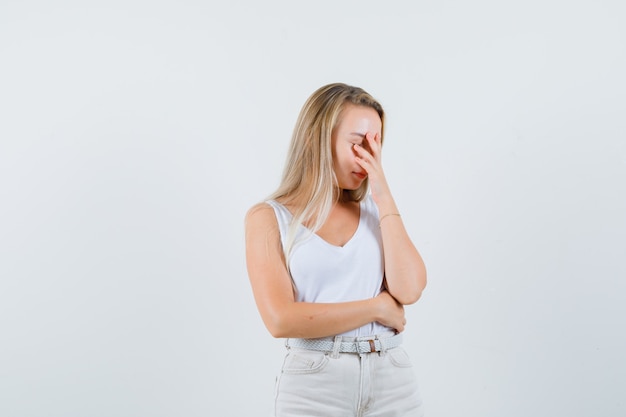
pixel 361 175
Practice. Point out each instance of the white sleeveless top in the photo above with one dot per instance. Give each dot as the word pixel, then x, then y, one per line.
pixel 325 273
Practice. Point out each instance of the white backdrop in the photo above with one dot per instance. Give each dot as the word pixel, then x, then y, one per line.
pixel 135 135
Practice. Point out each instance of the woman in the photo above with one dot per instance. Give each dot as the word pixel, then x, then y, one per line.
pixel 331 266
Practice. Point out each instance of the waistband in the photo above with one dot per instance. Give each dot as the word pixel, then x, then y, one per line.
pixel 343 344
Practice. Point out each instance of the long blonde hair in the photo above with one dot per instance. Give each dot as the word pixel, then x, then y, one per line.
pixel 309 184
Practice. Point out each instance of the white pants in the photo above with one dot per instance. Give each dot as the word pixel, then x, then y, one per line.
pixel 379 384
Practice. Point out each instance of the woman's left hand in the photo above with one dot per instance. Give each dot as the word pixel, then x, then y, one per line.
pixel 371 163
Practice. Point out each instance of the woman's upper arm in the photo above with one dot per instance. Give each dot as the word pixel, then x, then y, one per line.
pixel 271 283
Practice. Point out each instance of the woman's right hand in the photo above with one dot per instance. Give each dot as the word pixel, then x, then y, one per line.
pixel 390 312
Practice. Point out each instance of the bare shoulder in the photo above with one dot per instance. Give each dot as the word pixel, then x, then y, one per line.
pixel 260 218
pixel 259 208
pixel 263 242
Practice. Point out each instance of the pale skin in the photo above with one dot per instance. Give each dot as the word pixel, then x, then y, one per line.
pixel 356 155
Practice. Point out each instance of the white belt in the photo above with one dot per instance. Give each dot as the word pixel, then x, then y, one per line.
pixel 359 345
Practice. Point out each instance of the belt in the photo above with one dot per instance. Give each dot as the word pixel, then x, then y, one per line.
pixel 358 345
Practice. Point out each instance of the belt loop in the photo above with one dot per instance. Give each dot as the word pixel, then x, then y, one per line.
pixel 336 347
pixel 287 344
pixel 383 346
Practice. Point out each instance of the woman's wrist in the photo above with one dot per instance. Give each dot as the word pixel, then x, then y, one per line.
pixel 380 220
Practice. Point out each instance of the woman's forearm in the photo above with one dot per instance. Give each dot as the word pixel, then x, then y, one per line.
pixel 312 320
pixel 405 271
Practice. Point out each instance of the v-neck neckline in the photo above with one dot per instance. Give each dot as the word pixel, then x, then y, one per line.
pixel 327 243
pixel 354 234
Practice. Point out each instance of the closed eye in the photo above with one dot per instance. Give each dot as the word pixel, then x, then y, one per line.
pixel 358 135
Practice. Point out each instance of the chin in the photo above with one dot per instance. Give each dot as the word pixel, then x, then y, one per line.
pixel 352 184
pixel 351 187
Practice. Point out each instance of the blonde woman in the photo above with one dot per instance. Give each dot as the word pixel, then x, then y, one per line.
pixel 331 266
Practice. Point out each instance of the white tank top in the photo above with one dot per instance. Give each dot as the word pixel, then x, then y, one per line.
pixel 325 273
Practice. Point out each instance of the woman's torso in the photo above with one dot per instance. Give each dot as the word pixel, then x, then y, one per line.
pixel 327 273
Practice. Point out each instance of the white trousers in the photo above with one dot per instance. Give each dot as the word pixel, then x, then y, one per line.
pixel 378 384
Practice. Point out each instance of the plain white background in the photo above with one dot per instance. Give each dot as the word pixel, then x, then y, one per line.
pixel 135 135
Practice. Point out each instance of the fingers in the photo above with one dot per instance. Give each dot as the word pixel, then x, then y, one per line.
pixel 369 151
pixel 361 151
pixel 364 155
pixel 373 140
pixel 393 314
pixel 402 320
pixel 400 329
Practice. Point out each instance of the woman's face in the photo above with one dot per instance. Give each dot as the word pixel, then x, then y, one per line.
pixel 354 122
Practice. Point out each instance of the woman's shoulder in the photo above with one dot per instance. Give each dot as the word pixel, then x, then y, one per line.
pixel 262 206
pixel 260 214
